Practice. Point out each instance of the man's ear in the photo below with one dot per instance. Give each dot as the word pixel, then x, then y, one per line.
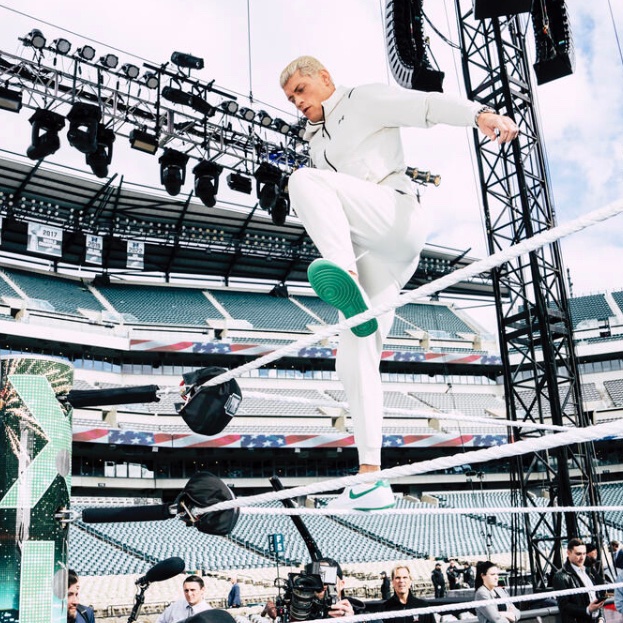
pixel 326 77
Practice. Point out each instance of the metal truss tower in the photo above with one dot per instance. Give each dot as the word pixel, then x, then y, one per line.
pixel 541 377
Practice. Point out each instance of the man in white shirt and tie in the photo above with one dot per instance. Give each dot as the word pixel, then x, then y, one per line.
pixel 192 603
pixel 581 607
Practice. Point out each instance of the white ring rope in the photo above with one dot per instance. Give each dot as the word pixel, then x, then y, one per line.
pixel 471 605
pixel 482 266
pixel 546 442
pixel 431 510
pixel 417 415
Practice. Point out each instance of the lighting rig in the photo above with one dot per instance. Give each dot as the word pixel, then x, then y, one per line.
pixel 157 108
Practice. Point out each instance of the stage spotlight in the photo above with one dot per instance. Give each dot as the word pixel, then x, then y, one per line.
pixel 45 128
pixel 144 141
pixel 102 156
pixel 247 114
pixel 271 182
pixel 240 183
pixel 84 121
pixel 280 210
pixel 34 39
pixel 109 60
pixel 151 80
pixel 177 96
pixel 264 118
pixel 187 60
pixel 173 170
pixel 298 130
pixel 206 181
pixel 280 125
pixel 229 106
pixel 201 106
pixel 130 71
pixel 10 99
pixel 86 52
pixel 61 46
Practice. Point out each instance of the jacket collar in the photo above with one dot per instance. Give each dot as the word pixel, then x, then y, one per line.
pixel 327 108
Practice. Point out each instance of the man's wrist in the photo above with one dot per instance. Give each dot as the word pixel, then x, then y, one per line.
pixel 481 110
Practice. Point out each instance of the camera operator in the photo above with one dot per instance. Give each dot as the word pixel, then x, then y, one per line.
pixel 318 593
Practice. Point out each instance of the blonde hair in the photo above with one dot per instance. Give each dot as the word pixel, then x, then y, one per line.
pixel 397 568
pixel 307 65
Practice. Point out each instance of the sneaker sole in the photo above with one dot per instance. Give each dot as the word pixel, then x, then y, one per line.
pixel 337 288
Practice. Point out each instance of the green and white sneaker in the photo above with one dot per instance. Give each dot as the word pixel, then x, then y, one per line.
pixel 336 286
pixel 369 496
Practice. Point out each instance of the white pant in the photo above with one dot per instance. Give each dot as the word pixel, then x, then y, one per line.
pixel 348 218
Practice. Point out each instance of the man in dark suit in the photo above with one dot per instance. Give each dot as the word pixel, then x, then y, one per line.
pixel 581 607
pixel 403 598
pixel 76 612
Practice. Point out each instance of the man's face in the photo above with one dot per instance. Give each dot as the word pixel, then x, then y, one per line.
pixel 577 555
pixel 193 593
pixel 72 601
pixel 308 92
pixel 401 582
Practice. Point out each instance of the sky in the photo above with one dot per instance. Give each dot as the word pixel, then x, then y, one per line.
pixel 246 44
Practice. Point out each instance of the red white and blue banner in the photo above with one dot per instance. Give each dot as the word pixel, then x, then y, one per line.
pixel 217 347
pixel 128 437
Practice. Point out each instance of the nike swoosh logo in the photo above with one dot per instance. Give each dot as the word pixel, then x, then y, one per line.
pixel 355 496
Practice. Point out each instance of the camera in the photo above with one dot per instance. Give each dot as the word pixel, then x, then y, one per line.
pixel 310 593
pixel 601 595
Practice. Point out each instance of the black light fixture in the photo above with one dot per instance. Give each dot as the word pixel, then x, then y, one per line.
pixel 34 39
pixel 102 156
pixel 151 80
pixel 10 99
pixel 84 121
pixel 247 114
pixel 271 182
pixel 298 130
pixel 495 8
pixel 206 181
pixel 144 141
pixel 61 46
pixel 130 71
pixel 264 118
pixel 173 170
pixel 86 52
pixel 109 60
pixel 229 106
pixel 177 96
pixel 240 183
pixel 46 125
pixel 280 125
pixel 187 61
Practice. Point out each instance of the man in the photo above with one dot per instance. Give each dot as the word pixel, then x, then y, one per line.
pixel 581 607
pixel 76 612
pixel 343 606
pixel 617 554
pixel 468 575
pixel 439 582
pixel 385 586
pixel 233 599
pixel 192 602
pixel 403 599
pixel 592 558
pixel 452 573
pixel 365 218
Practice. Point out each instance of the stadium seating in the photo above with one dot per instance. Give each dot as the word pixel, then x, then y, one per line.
pixel 591 307
pixel 263 311
pixel 160 305
pixel 433 318
pixel 65 296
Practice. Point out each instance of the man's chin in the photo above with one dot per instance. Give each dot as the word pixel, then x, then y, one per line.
pixel 71 615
